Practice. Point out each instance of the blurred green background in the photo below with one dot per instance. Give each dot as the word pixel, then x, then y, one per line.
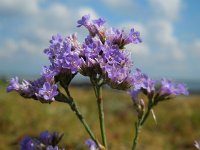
pixel 178 121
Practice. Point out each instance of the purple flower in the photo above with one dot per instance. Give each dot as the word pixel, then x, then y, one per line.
pixel 91 144
pixel 27 144
pixel 46 140
pixel 121 38
pixel 133 37
pixel 63 54
pixel 38 89
pixel 95 27
pixel 48 91
pixel 13 85
pixel 49 73
pixel 23 88
pixel 134 94
pixel 142 81
pixel 52 148
pixel 84 21
pixel 99 22
pixel 170 88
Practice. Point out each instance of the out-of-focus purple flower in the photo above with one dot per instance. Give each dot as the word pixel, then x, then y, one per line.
pixel 197 145
pixel 13 85
pixel 46 141
pixel 48 91
pixel 95 27
pixel 142 81
pixel 121 38
pixel 170 88
pixel 133 37
pixel 52 148
pixel 91 144
pixel 24 88
pixel 99 22
pixel 46 138
pixel 49 73
pixel 38 89
pixel 134 94
pixel 84 21
pixel 27 144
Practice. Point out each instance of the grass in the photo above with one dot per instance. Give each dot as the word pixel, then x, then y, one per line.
pixel 178 121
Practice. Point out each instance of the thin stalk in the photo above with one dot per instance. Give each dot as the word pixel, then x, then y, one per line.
pixel 82 120
pixel 140 123
pixel 150 106
pixel 145 117
pixel 75 108
pixel 137 130
pixel 101 114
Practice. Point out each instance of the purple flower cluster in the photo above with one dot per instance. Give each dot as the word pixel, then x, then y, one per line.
pixel 101 54
pixel 170 88
pixel 104 53
pixel 158 90
pixel 46 141
pixel 38 89
pixel 63 54
pixel 27 143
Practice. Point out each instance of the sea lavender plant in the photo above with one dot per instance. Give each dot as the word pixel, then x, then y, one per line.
pixel 103 58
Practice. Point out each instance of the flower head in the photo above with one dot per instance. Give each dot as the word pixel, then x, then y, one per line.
pixel 142 81
pixel 121 38
pixel 91 144
pixel 63 54
pixel 46 140
pixel 27 143
pixel 170 88
pixel 39 89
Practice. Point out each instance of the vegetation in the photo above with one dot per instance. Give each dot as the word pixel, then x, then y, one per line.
pixel 177 128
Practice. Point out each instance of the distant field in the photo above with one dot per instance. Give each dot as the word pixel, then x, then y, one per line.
pixel 178 121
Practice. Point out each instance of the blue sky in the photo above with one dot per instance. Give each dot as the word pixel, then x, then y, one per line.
pixel 169 29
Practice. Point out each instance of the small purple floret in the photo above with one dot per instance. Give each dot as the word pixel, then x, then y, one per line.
pixel 91 144
pixel 27 144
pixel 48 91
pixel 83 21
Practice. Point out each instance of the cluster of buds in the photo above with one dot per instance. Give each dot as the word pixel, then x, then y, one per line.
pixel 45 141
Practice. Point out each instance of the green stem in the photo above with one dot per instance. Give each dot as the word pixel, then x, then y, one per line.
pixel 69 100
pixel 137 130
pixel 101 114
pixel 140 123
pixel 82 120
pixel 145 117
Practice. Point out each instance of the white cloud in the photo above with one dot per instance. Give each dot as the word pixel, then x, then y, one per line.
pixel 169 9
pixel 36 26
pixel 85 11
pixel 162 36
pixel 118 3
pixel 18 7
pixel 196 47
